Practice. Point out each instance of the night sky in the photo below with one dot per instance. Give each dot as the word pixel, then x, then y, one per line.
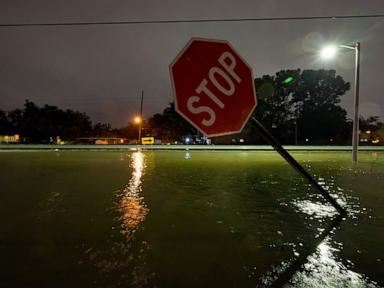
pixel 102 69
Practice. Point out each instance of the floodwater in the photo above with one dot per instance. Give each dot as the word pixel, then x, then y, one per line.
pixel 189 219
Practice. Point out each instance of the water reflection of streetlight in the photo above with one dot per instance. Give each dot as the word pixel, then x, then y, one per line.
pixel 132 206
pixel 121 257
pixel 329 52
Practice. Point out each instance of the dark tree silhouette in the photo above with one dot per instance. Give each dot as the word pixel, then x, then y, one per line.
pixel 5 125
pixel 170 126
pixel 103 130
pixel 302 106
pixel 41 124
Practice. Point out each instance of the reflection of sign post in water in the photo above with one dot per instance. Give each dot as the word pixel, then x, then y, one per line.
pixel 214 91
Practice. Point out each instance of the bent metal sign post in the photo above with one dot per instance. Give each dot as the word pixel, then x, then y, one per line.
pixel 214 91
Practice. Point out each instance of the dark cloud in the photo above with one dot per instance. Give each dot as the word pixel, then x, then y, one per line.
pixel 101 70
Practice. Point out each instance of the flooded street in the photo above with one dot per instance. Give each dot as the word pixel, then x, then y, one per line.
pixel 189 219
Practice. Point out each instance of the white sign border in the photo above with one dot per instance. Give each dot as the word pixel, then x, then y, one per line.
pixel 174 88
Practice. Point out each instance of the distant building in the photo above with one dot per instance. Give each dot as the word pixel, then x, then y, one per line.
pixel 10 138
pixel 101 140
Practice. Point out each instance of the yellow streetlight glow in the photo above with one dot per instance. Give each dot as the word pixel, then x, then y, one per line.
pixel 137 120
pixel 328 52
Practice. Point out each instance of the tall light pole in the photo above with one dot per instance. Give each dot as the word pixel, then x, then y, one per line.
pixel 139 119
pixel 141 114
pixel 329 52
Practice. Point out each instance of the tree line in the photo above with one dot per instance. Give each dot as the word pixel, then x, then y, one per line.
pixel 302 107
pixel 297 106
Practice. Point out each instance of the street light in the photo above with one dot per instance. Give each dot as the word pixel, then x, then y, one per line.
pixel 138 121
pixel 329 52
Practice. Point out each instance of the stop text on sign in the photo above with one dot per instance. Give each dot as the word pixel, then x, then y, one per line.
pixel 228 63
pixel 213 87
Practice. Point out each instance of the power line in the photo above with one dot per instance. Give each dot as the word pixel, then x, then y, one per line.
pixel 192 21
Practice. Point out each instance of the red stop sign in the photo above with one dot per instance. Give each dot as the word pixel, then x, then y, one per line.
pixel 213 87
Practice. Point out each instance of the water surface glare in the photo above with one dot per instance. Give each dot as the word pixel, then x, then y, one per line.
pixel 188 219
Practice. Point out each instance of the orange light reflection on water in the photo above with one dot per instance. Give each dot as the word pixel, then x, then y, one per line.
pixel 132 206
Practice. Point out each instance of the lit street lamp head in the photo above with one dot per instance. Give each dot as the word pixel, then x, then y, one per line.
pixel 137 120
pixel 328 52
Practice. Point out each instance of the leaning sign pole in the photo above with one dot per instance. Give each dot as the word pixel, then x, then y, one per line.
pixel 214 91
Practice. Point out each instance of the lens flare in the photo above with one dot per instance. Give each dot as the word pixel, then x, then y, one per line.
pixel 328 52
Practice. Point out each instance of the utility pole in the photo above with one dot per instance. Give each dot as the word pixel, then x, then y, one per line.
pixel 355 134
pixel 141 115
